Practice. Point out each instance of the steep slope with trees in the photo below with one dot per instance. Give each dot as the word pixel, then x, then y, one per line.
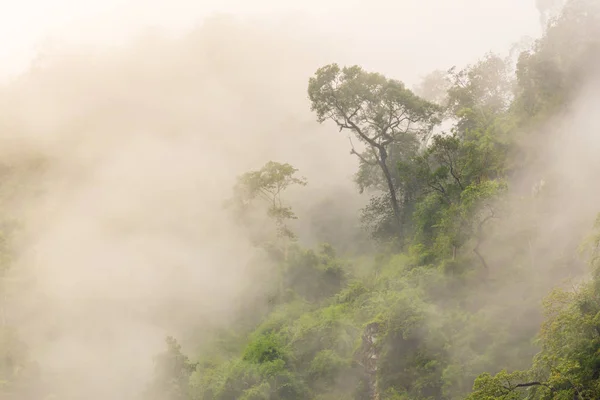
pixel 462 297
pixel 480 287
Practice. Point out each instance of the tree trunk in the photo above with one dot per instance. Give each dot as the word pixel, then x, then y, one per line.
pixel 391 188
pixel 478 254
pixel 370 359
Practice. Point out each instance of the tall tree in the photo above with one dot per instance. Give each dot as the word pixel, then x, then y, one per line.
pixel 479 93
pixel 380 112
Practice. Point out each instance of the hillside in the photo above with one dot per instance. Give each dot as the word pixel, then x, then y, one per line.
pixel 470 271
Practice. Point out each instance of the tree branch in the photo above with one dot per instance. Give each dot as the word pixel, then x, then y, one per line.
pixel 451 165
pixel 512 388
pixel 529 384
pixel 480 237
pixel 349 124
pixel 363 159
pixel 440 189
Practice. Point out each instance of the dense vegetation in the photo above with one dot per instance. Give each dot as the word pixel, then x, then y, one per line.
pixel 461 299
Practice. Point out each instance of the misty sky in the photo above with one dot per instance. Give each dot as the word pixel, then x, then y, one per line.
pixel 405 38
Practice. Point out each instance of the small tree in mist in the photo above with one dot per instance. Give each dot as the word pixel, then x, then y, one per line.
pixel 268 184
pixel 380 113
pixel 434 87
pixel 172 373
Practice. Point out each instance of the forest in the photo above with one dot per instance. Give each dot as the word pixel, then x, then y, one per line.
pixel 471 269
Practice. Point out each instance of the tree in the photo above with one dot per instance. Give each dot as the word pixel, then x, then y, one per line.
pixel 548 9
pixel 434 87
pixel 457 197
pixel 562 61
pixel 441 167
pixel 268 184
pixel 377 216
pixel 568 365
pixel 380 112
pixel 479 93
pixel 171 375
pixel 505 386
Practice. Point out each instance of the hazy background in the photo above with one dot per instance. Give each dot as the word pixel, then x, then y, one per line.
pixel 126 142
pixel 405 38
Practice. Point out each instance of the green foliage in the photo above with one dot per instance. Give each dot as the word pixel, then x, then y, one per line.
pixel 561 61
pixel 353 99
pixel 428 318
pixel 503 386
pixel 568 365
pixel 172 373
pixel 325 368
pixel 434 87
pixel 314 276
pixel 479 93
pixel 387 119
pixel 268 184
pixel 264 349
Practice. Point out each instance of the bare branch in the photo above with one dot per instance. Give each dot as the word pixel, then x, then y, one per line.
pixel 529 384
pixel 512 388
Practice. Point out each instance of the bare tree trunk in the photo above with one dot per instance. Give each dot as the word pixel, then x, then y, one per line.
pixel 391 188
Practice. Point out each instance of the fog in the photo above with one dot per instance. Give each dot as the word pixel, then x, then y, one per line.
pixel 405 38
pixel 122 143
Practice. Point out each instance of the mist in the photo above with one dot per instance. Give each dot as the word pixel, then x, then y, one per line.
pixel 125 238
pixel 121 143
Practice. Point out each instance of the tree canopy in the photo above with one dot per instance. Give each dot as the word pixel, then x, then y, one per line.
pixel 380 113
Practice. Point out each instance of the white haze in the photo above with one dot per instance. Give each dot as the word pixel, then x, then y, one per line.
pixel 125 240
pixel 405 38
